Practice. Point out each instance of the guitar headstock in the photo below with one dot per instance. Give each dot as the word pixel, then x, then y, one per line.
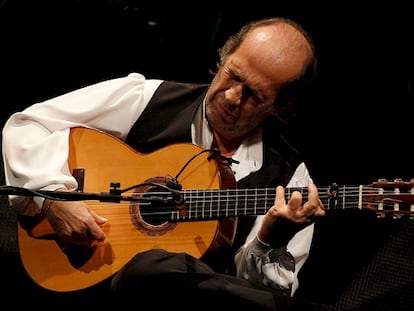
pixel 389 198
pixel 385 198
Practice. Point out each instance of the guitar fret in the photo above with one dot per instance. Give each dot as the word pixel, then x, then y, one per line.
pixel 211 200
pixel 343 197
pixel 266 208
pixel 236 206
pixel 210 210
pixel 219 200
pixel 360 198
pixel 245 203
pixel 255 201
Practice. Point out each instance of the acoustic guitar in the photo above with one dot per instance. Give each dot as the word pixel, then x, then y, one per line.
pixel 181 198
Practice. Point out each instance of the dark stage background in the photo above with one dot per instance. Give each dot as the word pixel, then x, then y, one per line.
pixel 356 128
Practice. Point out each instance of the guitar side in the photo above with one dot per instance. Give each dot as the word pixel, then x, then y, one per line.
pixel 106 159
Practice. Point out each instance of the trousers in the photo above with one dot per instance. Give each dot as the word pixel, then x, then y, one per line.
pixel 159 279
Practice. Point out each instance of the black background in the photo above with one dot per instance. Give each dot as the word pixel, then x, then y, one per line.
pixel 357 127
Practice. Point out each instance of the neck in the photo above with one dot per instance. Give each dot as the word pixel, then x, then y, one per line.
pixel 226 147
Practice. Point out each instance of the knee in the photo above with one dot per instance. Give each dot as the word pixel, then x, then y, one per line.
pixel 146 265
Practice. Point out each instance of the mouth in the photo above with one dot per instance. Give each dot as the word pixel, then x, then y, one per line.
pixel 224 112
pixel 229 115
pixel 229 119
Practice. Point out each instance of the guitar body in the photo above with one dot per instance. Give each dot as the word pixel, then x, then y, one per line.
pixel 104 160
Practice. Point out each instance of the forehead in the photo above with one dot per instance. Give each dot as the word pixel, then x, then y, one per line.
pixel 271 55
pixel 277 43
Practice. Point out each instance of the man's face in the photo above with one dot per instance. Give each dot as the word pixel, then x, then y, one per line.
pixel 247 86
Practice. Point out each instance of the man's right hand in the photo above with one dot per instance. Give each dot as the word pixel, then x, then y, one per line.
pixel 74 222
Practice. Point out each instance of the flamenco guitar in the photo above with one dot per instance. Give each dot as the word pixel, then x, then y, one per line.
pixel 167 208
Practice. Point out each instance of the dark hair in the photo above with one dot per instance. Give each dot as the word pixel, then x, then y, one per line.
pixel 291 92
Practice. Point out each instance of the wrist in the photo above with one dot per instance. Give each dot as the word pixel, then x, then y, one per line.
pixel 280 234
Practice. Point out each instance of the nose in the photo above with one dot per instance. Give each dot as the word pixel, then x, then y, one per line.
pixel 234 94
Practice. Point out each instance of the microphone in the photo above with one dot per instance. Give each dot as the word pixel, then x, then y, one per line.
pixel 175 188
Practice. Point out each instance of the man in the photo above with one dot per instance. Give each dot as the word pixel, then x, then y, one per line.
pixel 260 72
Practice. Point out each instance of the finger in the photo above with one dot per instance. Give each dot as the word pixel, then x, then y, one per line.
pixel 96 233
pixel 321 210
pixel 98 219
pixel 280 199
pixel 95 230
pixel 313 195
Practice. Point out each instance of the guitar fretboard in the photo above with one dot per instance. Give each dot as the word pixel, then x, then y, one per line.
pixel 214 204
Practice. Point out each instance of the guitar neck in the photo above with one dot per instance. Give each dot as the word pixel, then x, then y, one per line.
pixel 214 204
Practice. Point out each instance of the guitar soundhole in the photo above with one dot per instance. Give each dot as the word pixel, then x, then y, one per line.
pixel 152 217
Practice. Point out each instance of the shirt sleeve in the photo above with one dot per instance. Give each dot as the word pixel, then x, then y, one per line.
pixel 264 266
pixel 39 134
